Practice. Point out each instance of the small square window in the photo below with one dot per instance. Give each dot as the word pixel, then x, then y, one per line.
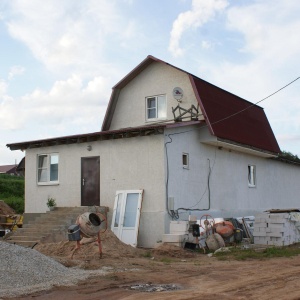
pixel 251 176
pixel 156 107
pixel 185 160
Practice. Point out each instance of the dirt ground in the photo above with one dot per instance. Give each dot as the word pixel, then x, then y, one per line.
pixel 193 274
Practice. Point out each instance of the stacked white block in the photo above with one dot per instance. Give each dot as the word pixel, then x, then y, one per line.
pixel 179 227
pixel 277 229
pixel 178 233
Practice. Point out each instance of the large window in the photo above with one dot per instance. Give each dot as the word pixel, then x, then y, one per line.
pixel 251 176
pixel 48 168
pixel 156 107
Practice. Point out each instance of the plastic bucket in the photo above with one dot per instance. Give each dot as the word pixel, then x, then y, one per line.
pixel 74 233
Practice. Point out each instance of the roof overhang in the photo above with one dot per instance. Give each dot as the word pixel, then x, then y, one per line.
pixel 231 146
pixel 90 137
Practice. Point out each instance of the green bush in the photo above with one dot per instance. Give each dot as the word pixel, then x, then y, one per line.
pixel 17 204
pixel 12 192
pixel 11 186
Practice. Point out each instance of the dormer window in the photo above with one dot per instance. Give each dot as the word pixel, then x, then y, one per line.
pixel 156 107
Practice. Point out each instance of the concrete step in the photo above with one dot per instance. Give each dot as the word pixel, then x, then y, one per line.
pixel 50 223
pixel 24 238
pixel 55 215
pixel 27 244
pixel 49 227
pixel 44 227
pixel 30 233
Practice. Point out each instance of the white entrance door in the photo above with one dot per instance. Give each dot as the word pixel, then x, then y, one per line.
pixel 126 216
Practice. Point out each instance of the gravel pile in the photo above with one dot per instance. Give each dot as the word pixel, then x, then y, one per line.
pixel 25 270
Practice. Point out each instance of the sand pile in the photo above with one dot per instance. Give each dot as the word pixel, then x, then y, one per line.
pixel 112 248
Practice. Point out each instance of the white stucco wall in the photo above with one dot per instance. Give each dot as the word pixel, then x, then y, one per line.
pixel 140 163
pixel 277 183
pixel 156 79
pixel 125 164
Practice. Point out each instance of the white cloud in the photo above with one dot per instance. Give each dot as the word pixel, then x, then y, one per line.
pixel 14 71
pixel 202 11
pixel 68 101
pixel 3 88
pixel 206 45
pixel 270 29
pixel 69 35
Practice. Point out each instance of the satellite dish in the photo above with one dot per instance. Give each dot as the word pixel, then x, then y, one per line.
pixel 178 93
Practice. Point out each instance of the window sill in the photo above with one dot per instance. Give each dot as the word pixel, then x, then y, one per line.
pixel 251 186
pixel 48 183
pixel 155 120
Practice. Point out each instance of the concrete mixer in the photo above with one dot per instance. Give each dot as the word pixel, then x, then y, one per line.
pixel 87 225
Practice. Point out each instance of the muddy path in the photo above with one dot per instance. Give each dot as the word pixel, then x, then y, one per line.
pixel 196 276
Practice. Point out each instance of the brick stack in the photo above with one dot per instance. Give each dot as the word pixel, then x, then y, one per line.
pixel 277 229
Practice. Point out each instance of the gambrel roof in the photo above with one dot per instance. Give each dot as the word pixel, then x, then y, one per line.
pixel 229 117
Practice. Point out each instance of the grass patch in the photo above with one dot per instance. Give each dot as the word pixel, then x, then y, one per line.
pixel 244 254
pixel 147 254
pixel 166 260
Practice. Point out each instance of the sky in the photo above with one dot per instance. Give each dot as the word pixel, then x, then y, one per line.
pixel 59 59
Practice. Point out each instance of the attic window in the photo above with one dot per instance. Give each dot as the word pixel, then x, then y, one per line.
pixel 156 107
pixel 251 176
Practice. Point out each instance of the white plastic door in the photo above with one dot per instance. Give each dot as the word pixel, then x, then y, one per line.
pixel 126 216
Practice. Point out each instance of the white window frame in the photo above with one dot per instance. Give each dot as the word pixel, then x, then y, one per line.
pixel 47 169
pixel 156 108
pixel 185 157
pixel 251 175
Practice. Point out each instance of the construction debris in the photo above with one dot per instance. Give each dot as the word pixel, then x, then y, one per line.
pixel 150 288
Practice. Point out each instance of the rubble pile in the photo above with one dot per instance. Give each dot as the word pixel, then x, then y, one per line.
pixel 25 270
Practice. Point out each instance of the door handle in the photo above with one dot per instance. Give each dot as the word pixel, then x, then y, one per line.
pixel 83 181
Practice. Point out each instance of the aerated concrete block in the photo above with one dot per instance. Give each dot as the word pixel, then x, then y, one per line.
pixel 174 238
pixel 179 227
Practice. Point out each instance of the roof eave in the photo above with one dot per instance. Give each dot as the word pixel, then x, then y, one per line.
pixel 234 146
pixel 89 137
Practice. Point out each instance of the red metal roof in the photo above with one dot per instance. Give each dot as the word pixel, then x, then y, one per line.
pixel 222 111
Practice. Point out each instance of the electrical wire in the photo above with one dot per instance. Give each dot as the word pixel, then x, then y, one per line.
pixel 210 169
pixel 171 213
pixel 238 112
